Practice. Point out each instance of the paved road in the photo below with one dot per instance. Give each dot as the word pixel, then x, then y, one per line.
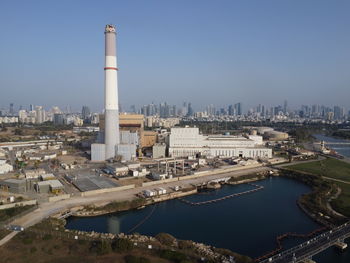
pixel 45 210
pixel 320 158
pixel 7 238
pixel 336 180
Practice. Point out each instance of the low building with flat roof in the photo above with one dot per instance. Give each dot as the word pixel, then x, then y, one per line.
pixel 18 186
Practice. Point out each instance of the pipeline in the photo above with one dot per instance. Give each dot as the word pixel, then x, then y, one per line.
pixel 258 187
pixel 143 220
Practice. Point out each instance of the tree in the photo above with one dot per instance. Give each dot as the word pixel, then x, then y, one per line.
pixel 36 164
pixel 18 131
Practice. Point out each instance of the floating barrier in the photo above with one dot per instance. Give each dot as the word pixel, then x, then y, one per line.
pixel 258 187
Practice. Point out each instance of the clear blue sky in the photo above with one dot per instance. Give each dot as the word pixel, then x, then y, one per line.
pixel 218 52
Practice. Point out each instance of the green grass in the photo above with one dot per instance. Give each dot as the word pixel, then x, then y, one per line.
pixel 335 169
pixel 330 167
pixel 342 203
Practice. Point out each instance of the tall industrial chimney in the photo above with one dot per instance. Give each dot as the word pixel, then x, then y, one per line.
pixel 111 93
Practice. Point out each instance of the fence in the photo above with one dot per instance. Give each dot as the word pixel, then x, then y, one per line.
pixel 108 190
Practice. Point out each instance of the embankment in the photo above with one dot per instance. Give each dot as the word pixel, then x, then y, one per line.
pixel 316 203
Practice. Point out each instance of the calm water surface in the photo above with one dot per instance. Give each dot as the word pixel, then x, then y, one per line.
pixel 247 224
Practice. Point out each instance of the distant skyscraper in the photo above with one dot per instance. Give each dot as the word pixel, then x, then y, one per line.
pixel 85 113
pixel 211 110
pixel 285 107
pixel 31 107
pixel 58 119
pixel 230 110
pixel 12 111
pixel 189 109
pixel 238 108
pixel 338 112
pixel 39 114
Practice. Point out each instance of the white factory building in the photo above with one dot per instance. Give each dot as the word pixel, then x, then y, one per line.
pixel 184 142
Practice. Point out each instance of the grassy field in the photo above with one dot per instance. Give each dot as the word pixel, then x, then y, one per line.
pixel 336 169
pixel 330 167
pixel 342 203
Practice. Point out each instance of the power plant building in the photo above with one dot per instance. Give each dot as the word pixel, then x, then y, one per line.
pixel 184 142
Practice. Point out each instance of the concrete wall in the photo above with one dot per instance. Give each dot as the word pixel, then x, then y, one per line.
pixel 161 181
pixel 218 171
pixel 173 195
pixel 58 198
pixel 202 173
pixel 24 203
pixel 108 190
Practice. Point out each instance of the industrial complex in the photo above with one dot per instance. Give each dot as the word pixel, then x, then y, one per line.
pixel 121 156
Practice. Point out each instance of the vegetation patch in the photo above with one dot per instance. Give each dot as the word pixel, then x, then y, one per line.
pixel 118 206
pixel 6 214
pixel 329 167
pixel 342 203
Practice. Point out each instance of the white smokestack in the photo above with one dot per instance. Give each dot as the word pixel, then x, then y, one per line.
pixel 111 93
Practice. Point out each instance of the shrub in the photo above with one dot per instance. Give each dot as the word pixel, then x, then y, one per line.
pixel 172 255
pixel 104 247
pixel 166 239
pixel 185 244
pixel 27 241
pixel 122 245
pixel 133 259
pixel 100 247
pixel 47 237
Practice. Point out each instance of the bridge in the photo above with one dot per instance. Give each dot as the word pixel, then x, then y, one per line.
pixel 66 214
pixel 334 143
pixel 306 250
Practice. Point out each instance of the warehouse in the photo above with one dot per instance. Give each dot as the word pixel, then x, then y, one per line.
pixel 14 185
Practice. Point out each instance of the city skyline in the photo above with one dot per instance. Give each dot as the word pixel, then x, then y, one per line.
pixel 198 51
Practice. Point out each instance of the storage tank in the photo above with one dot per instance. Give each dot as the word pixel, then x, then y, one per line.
pixel 276 135
pixel 253 132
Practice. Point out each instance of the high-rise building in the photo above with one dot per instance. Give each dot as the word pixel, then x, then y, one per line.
pixel 12 111
pixel 189 109
pixel 86 113
pixel 285 107
pixel 339 112
pixel 39 114
pixel 238 108
pixel 132 109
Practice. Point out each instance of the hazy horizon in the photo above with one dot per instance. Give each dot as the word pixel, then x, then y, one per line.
pixel 203 52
